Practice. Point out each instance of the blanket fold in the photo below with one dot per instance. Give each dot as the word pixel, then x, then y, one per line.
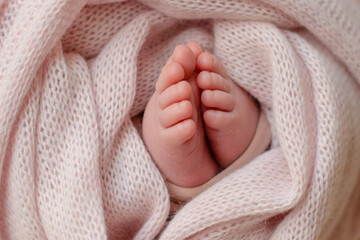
pixel 73 74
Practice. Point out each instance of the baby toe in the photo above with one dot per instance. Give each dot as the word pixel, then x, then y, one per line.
pixel 170 74
pixel 216 119
pixel 213 81
pixel 218 100
pixel 175 93
pixel 208 62
pixel 195 47
pixel 181 132
pixel 186 58
pixel 175 113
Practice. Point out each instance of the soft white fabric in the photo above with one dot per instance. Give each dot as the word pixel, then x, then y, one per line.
pixel 74 73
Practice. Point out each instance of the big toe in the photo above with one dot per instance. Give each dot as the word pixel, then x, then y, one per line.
pixel 186 58
pixel 208 62
pixel 195 48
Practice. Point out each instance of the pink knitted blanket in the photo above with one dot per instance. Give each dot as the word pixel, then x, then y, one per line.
pixel 74 73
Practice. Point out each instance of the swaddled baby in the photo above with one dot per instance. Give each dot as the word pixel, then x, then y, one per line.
pixel 198 121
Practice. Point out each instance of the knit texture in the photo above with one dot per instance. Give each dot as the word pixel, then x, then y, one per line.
pixel 74 74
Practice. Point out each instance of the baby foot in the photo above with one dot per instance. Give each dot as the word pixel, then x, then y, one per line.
pixel 230 114
pixel 172 124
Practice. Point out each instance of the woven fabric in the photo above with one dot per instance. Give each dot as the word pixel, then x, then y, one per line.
pixel 73 74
